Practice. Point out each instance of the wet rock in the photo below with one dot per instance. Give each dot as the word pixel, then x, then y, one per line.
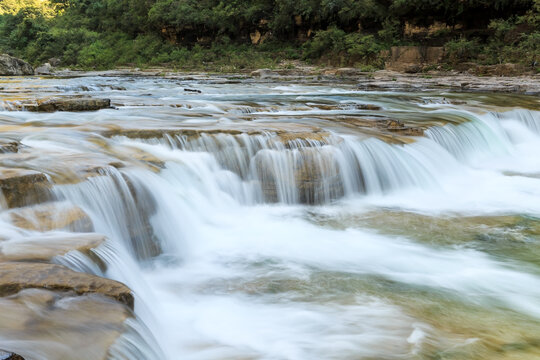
pixel 44 69
pixel 43 324
pixel 286 131
pixel 45 247
pixel 399 127
pixel 348 107
pixel 9 146
pixel 264 73
pixel 51 216
pixel 7 355
pixel 74 104
pixel 315 178
pixel 22 187
pixel 16 276
pixel 11 66
pixel 193 90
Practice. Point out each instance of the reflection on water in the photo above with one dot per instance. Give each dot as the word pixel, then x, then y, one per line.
pixel 279 221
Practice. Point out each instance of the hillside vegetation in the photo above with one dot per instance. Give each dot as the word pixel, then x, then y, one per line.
pixel 244 34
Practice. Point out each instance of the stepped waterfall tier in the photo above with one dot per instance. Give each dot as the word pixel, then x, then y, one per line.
pixel 266 219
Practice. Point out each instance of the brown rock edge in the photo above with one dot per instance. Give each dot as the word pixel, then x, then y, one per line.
pixel 16 276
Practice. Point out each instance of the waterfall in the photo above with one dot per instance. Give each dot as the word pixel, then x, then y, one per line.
pixel 479 136
pixel 529 118
pixel 120 208
pixel 348 241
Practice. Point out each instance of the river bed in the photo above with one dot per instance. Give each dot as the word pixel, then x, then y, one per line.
pixel 268 219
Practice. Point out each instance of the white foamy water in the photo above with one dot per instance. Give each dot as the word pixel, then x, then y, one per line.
pixel 221 248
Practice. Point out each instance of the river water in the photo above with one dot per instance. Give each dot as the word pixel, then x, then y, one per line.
pixel 246 242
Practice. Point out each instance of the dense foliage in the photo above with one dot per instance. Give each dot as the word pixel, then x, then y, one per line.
pixel 219 33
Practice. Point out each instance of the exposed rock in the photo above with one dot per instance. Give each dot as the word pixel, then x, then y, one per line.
pixel 12 66
pixel 411 59
pixel 390 80
pixel 9 146
pixel 286 131
pixel 16 276
pixel 315 176
pixel 51 216
pixel 44 69
pixel 7 355
pixel 399 127
pixel 347 72
pixel 500 70
pixel 69 104
pixel 42 324
pixel 264 73
pixel 347 107
pixel 22 187
pixel 54 61
pixel 255 37
pixel 381 127
pixel 44 248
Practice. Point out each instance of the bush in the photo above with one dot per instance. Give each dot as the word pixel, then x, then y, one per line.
pixel 461 50
pixel 331 41
pixel 363 48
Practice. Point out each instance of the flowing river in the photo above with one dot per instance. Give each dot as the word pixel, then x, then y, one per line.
pixel 285 220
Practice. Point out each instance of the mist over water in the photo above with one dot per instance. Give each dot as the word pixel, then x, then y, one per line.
pixel 259 245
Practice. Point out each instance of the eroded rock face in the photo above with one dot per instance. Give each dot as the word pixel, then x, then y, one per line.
pixel 41 324
pixel 22 187
pixel 12 66
pixel 411 59
pixel 17 276
pixel 46 247
pixel 75 104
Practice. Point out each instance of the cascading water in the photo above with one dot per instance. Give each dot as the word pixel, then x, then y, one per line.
pixel 288 244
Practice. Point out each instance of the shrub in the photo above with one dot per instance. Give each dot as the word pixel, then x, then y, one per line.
pixel 326 41
pixel 461 50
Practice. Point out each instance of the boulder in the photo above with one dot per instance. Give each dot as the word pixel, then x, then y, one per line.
pixel 22 187
pixel 69 104
pixel 264 73
pixel 54 61
pixel 16 276
pixel 44 69
pixel 51 216
pixel 46 247
pixel 42 324
pixel 11 66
